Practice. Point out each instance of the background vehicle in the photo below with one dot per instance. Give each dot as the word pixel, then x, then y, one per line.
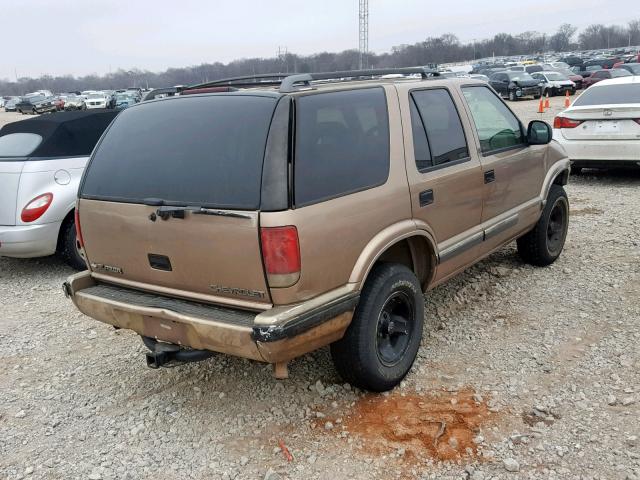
pixel 554 83
pixel 41 162
pixel 632 68
pixel 219 256
pixel 74 102
pixel 36 104
pixel 124 100
pixel 602 127
pixel 97 100
pixel 10 105
pixel 600 75
pixel 59 102
pixel 515 85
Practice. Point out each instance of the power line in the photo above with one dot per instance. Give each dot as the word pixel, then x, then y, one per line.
pixel 363 47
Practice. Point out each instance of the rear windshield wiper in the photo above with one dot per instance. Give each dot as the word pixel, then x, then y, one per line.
pixel 167 211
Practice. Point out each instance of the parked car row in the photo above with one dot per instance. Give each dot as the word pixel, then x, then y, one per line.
pixel 44 101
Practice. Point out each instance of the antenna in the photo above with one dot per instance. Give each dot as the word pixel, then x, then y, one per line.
pixel 364 33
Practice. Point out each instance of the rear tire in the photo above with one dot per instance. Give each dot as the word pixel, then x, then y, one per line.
pixel 68 247
pixel 381 344
pixel 542 245
pixel 512 96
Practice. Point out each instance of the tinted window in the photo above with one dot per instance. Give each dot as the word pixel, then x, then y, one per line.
pixel 189 150
pixel 610 94
pixel 497 127
pixel 342 144
pixel 420 143
pixel 446 138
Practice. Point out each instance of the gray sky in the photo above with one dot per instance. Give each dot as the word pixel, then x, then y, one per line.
pixel 95 36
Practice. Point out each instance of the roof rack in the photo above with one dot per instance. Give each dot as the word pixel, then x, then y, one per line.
pixel 266 79
pixel 290 83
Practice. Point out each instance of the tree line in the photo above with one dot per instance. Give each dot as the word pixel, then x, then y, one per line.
pixel 443 49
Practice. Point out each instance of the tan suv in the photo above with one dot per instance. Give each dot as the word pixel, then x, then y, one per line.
pixel 285 214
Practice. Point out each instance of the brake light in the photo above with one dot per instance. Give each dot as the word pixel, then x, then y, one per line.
pixel 564 122
pixel 76 217
pixel 36 207
pixel 281 255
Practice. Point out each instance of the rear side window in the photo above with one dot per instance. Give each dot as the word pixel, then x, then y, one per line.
pixel 205 151
pixel 442 126
pixel 19 144
pixel 609 95
pixel 342 144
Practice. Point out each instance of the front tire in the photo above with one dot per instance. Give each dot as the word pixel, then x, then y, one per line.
pixel 382 342
pixel 542 245
pixel 512 95
pixel 68 247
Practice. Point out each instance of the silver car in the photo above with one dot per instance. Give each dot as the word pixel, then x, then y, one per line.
pixel 41 162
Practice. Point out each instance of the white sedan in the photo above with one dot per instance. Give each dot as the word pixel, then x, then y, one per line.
pixel 601 129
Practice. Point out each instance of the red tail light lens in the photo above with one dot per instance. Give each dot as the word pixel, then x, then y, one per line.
pixel 281 255
pixel 36 207
pixel 563 122
pixel 76 217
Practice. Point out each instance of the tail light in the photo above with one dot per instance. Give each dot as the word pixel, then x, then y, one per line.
pixel 564 122
pixel 36 207
pixel 76 217
pixel 281 255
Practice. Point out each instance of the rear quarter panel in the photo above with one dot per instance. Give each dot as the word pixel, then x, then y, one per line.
pixel 39 176
pixel 334 233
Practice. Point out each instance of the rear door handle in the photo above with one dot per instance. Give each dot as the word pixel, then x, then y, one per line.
pixel 489 176
pixel 426 198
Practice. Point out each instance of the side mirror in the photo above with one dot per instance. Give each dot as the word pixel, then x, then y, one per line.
pixel 539 133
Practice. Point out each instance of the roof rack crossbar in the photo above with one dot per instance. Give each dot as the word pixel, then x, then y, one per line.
pixel 289 83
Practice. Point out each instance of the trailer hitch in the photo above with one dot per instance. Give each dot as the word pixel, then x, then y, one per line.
pixel 163 354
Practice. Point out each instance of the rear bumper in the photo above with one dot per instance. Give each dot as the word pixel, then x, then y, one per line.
pixel 599 150
pixel 26 241
pixel 276 335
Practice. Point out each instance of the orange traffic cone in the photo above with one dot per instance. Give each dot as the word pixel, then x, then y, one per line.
pixel 541 106
pixel 546 101
pixel 567 101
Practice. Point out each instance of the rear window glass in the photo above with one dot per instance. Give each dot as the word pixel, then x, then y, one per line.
pixel 19 144
pixel 610 94
pixel 342 144
pixel 205 151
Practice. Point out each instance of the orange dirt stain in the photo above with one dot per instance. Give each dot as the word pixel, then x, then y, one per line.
pixel 441 426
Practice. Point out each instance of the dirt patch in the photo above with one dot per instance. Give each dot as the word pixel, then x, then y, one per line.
pixel 442 426
pixel 585 211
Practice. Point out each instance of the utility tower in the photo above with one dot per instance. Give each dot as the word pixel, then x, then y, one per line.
pixel 364 33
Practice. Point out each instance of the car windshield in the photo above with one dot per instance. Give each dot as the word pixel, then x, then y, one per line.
pixel 96 95
pixel 123 97
pixel 610 95
pixel 18 144
pixel 593 68
pixel 35 98
pixel 620 72
pixel 634 67
pixel 520 76
pixel 556 76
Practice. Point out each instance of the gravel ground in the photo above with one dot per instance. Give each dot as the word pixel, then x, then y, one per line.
pixel 523 373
